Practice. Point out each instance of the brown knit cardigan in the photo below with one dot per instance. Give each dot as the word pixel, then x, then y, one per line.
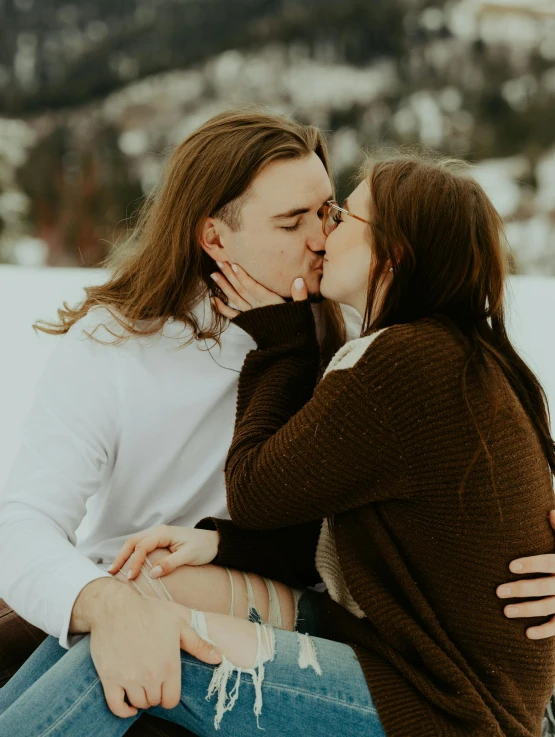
pixel 381 449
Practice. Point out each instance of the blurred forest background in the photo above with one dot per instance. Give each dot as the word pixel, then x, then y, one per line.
pixel 94 93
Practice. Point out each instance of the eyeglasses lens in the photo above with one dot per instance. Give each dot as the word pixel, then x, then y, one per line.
pixel 330 222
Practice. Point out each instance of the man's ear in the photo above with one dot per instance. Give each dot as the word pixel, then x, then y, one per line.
pixel 210 240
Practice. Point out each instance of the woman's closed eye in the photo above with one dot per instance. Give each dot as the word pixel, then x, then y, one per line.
pixel 291 228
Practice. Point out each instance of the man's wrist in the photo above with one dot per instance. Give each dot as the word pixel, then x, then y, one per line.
pixel 95 601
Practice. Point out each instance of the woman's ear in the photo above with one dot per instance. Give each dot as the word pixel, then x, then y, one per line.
pixel 210 240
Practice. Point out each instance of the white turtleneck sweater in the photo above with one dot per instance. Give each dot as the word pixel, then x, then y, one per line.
pixel 120 438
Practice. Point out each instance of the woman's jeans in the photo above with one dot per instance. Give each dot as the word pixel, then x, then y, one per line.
pixel 311 687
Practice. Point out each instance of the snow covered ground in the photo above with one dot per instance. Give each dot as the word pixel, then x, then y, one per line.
pixel 29 294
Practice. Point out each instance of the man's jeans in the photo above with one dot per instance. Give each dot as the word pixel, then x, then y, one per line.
pixel 311 686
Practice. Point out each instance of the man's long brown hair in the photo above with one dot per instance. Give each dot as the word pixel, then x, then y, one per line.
pixel 162 271
pixel 437 229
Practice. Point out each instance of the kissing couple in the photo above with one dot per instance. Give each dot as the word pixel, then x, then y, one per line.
pixel 281 465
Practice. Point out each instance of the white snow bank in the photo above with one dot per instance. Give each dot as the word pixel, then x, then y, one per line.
pixel 29 294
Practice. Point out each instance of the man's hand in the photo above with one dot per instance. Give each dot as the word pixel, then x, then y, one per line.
pixel 537 587
pixel 135 645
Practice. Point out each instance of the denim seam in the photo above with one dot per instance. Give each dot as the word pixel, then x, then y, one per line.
pixel 332 700
pixel 301 691
pixel 67 713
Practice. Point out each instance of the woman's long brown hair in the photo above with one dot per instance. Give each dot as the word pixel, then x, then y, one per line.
pixel 162 272
pixel 434 225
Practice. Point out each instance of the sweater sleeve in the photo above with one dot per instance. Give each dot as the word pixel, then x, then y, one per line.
pixel 286 555
pixel 295 459
pixel 68 439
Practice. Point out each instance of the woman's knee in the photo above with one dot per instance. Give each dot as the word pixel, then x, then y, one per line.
pixel 216 589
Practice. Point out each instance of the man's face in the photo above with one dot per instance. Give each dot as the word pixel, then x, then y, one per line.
pixel 280 237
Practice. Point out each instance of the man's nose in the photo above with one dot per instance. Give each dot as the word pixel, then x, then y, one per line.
pixel 317 241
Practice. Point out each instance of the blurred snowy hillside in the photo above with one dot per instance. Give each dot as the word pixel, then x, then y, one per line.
pixel 93 94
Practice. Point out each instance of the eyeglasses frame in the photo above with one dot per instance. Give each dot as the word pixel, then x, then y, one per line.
pixel 332 204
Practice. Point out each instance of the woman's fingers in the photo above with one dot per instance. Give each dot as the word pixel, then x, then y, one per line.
pixel 543 631
pixel 231 293
pixel 232 276
pixel 168 564
pixel 124 553
pixel 299 291
pixel 258 296
pixel 246 294
pixel 224 309
pixel 527 589
pixel 142 549
pixel 552 518
pixel 161 536
pixel 138 554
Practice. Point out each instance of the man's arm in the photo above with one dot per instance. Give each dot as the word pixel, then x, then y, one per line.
pixel 95 601
pixel 68 440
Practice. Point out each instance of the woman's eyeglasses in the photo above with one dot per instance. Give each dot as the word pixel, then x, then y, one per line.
pixel 332 216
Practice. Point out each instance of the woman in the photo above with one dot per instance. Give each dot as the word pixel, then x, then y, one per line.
pixel 396 481
pixel 425 439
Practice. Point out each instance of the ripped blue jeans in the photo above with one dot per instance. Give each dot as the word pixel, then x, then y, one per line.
pixel 307 685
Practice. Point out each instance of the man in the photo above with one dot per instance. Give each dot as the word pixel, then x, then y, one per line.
pixel 129 433
pixel 134 414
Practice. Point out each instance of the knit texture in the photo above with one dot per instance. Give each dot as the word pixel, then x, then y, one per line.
pixel 380 449
pixel 327 561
